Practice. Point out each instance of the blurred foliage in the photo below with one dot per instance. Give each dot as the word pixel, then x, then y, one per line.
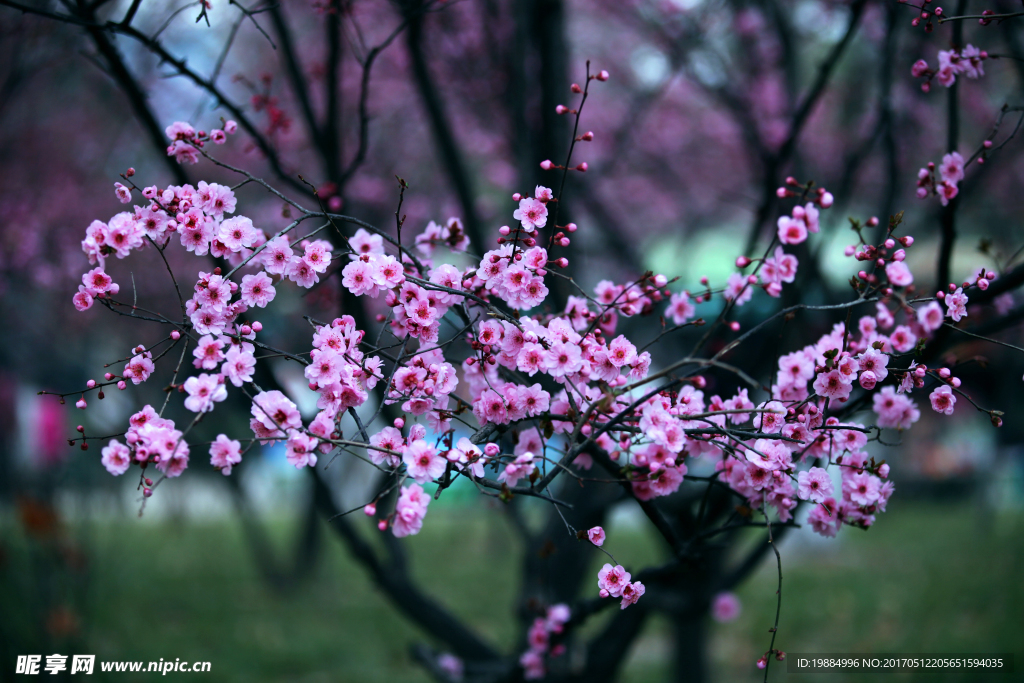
pixel 181 588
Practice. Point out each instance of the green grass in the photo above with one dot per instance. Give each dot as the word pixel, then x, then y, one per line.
pixel 927 579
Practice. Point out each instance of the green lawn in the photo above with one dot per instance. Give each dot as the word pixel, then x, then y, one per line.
pixel 926 579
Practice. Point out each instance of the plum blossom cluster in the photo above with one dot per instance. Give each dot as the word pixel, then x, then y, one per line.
pixel 942 181
pixel 150 440
pixel 186 141
pixel 542 637
pixel 968 62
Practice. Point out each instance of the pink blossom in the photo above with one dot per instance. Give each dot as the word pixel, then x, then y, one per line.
pixel 423 462
pixel 82 300
pixel 612 579
pixel 631 592
pixel 208 352
pixel 899 274
pixel 237 233
pixel 301 450
pixel 521 467
pixel 874 361
pixel 680 308
pixel 225 453
pixel 943 400
pixel 239 365
pixel 257 290
pixel 902 339
pixel 815 485
pixel 531 213
pixel 302 273
pixel 947 191
pixel 116 458
pixel 277 255
pixel 180 130
pixel 861 488
pixel 596 536
pixel 823 518
pixel 203 391
pixel 930 316
pixel 139 368
pixel 364 243
pixel 769 454
pixel 318 255
pixel 275 412
pixel 952 168
pixel 738 289
pixel 791 231
pixel 410 510
pixel 563 359
pixel 216 200
pixel 832 384
pixel 956 304
pixel 894 410
pixel 725 607
pixel 795 368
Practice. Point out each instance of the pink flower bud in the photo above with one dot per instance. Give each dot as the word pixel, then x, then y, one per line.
pixel 80 429
pixel 91 383
pixel 955 382
pixel 890 243
pixel 546 164
pixel 561 109
pixel 734 326
pixel 742 262
pixel 382 525
pixel 762 663
pixel 602 75
pixel 588 136
pixel 516 197
pixel 399 422
pixel 246 330
pixel 868 380
pixel 571 227
pixel 596 536
pixel 576 88
pixel 582 166
pixel 370 510
pixel 660 281
pixel 147 492
pixel 826 200
pixel 80 404
pixel 492 449
pixel 899 255
pixel 175 335
pixel 982 284
pixel 121 385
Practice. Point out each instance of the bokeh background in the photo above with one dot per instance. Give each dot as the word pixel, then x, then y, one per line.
pixel 690 141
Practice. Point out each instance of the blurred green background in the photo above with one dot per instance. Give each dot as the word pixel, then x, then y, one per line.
pixel 932 576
